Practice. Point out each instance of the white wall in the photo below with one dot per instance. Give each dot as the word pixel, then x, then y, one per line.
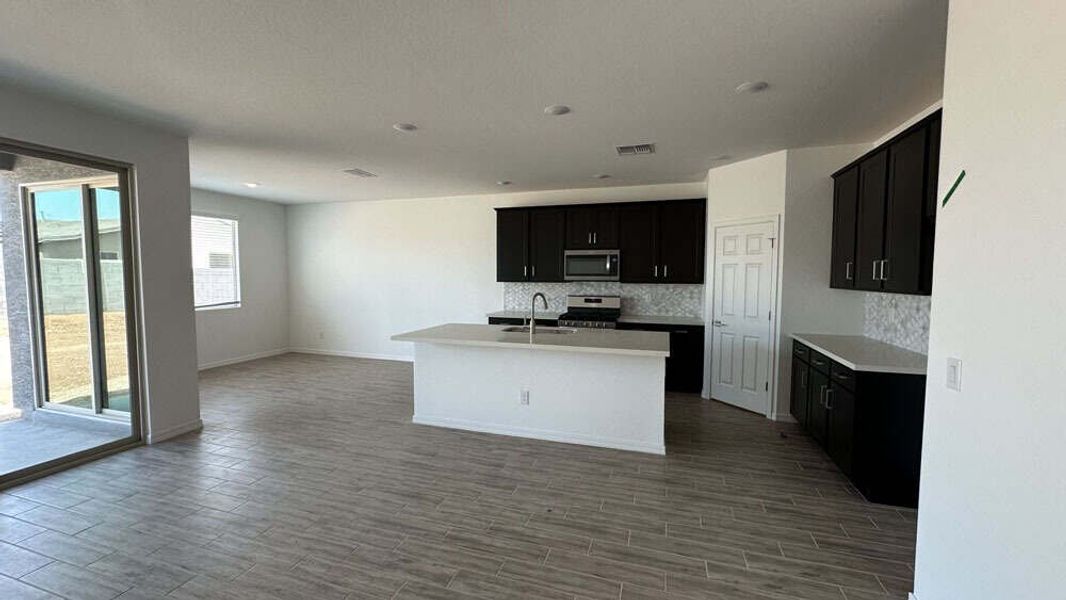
pixel 990 521
pixel 259 326
pixel 161 171
pixel 360 272
pixel 808 304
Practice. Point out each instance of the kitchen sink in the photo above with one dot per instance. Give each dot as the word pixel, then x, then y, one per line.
pixel 540 330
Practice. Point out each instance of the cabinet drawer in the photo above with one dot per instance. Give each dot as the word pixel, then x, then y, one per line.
pixel 820 361
pixel 843 376
pixel 800 351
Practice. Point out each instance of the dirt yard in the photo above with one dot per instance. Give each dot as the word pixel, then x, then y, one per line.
pixel 69 369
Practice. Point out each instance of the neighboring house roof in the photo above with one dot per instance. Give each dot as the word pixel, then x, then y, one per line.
pixel 58 231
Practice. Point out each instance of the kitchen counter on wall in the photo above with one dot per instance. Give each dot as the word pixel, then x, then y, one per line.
pixel 647 319
pixel 598 341
pixel 861 353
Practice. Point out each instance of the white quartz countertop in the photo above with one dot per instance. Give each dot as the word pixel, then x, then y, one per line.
pixel 860 353
pixel 600 341
pixel 649 319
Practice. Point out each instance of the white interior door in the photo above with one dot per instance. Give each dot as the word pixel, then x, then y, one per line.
pixel 744 278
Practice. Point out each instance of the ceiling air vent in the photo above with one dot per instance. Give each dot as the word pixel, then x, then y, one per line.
pixel 359 173
pixel 635 149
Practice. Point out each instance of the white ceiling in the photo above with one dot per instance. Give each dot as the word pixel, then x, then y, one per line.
pixel 290 93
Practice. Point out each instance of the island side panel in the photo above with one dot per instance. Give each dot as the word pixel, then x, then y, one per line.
pixel 607 400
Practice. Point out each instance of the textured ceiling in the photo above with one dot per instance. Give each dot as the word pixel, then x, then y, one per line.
pixel 290 93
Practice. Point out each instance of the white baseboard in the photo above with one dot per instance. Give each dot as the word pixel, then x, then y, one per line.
pixel 539 434
pixel 349 354
pixel 783 418
pixel 154 437
pixel 240 359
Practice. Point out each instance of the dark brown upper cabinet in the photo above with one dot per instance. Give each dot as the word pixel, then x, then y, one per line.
pixel 529 244
pixel 512 244
pixel 884 214
pixel 547 233
pixel 662 242
pixel 845 214
pixel 659 242
pixel 870 229
pixel 592 227
pixel 638 243
pixel 682 229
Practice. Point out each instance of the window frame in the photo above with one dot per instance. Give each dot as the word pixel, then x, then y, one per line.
pixel 238 301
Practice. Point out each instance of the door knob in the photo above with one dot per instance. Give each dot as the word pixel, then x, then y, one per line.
pixel 718 323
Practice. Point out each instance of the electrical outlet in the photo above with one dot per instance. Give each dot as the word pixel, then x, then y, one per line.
pixel 954 375
pixel 524 399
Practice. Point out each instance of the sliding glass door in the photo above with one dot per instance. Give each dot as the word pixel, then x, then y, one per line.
pixel 77 241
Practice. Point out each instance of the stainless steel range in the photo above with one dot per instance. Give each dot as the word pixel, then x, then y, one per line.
pixel 595 312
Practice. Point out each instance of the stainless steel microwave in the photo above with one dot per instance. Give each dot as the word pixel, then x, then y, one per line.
pixel 590 265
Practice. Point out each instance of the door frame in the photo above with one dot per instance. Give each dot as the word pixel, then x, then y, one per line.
pixel 774 322
pixel 132 296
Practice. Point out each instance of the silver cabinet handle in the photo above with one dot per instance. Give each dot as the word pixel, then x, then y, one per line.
pixel 884 267
pixel 847 270
pixel 829 398
pixel 534 269
pixel 608 263
pixel 875 277
pixel 594 242
pixel 821 395
pixel 590 238
pixel 525 271
pixel 656 271
pixel 665 267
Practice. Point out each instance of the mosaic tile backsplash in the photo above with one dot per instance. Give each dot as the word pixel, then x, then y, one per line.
pixel 637 298
pixel 898 320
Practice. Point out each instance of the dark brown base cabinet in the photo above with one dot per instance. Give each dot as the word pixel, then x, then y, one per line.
pixel 870 424
pixel 684 366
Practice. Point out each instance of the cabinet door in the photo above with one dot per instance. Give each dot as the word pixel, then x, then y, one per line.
pixel 681 241
pixel 845 211
pixel 800 391
pixel 512 244
pixel 840 408
pixel 638 259
pixel 870 231
pixel 579 226
pixel 547 233
pixel 905 213
pixel 684 366
pixel 605 227
pixel 817 415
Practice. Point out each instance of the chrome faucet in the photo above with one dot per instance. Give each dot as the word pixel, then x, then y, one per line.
pixel 533 313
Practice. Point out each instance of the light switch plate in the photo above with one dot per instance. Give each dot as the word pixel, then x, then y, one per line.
pixel 954 374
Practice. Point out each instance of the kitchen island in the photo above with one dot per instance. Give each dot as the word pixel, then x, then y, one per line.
pixel 582 386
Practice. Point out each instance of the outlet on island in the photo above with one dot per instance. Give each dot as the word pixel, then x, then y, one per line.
pixel 523 398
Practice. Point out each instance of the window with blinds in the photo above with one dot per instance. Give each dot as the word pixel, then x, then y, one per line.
pixel 216 280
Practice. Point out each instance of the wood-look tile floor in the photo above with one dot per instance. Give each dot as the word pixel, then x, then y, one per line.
pixel 309 481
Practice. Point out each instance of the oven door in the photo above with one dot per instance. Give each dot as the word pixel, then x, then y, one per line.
pixel 590 265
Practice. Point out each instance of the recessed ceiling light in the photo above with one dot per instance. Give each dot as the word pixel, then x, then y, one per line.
pixel 503 182
pixel 603 176
pixel 251 184
pixel 752 87
pixel 556 110
pixel 405 127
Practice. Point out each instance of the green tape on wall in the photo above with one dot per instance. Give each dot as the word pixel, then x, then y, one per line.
pixel 954 186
